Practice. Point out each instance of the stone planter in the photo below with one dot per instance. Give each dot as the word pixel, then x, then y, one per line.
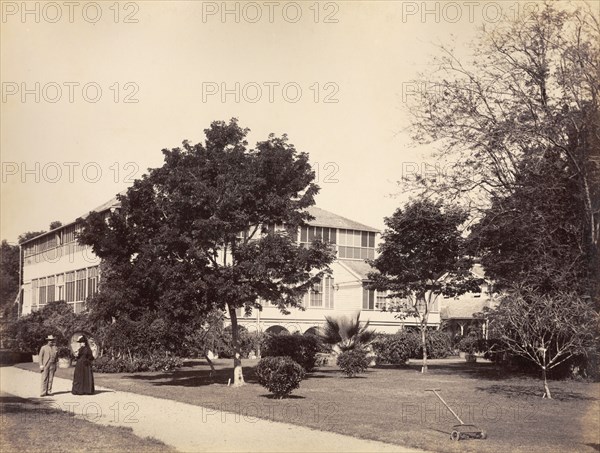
pixel 64 362
pixel 35 358
pixel 470 358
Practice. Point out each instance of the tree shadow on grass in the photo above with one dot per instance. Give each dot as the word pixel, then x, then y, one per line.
pixel 197 374
pixel 535 391
pixel 195 377
pixel 33 407
pixel 270 396
pixel 479 371
pixel 320 373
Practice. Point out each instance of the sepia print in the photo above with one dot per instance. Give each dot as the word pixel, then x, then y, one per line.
pixel 300 226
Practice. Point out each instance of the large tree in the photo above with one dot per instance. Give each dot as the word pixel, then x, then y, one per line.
pixel 422 256
pixel 10 272
pixel 530 88
pixel 530 237
pixel 9 275
pixel 214 227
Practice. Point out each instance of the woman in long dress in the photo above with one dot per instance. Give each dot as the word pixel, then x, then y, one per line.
pixel 83 378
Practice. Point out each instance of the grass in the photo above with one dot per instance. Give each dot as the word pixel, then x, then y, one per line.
pixel 390 404
pixel 33 426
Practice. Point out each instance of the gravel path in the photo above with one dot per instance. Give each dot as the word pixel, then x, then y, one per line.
pixel 186 427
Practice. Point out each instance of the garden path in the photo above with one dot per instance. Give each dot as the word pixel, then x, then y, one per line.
pixel 186 427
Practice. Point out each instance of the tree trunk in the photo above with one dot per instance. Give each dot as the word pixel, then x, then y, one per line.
pixel 547 393
pixel 424 343
pixel 238 375
pixel 210 363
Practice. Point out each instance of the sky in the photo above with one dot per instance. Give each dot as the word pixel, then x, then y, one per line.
pixel 93 91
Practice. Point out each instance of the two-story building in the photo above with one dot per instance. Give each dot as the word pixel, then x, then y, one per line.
pixel 343 293
pixel 57 267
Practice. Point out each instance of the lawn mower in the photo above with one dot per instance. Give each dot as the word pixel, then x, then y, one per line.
pixel 464 430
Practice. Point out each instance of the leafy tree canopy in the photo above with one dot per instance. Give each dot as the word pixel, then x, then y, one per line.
pixel 421 244
pixel 214 227
pixel 422 256
pixel 525 100
pixel 9 274
pixel 530 237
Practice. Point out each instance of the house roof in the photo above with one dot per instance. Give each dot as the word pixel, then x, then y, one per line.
pixel 463 307
pixel 325 218
pixel 112 203
pixel 359 268
pixel 322 218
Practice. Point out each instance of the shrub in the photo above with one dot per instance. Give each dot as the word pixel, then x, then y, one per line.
pixel 302 349
pixel 279 375
pixel 28 334
pixel 157 362
pixel 438 345
pixel 470 345
pixel 248 342
pixel 322 359
pixel 353 362
pixel 64 352
pixel 394 349
pixel 456 341
pixel 106 364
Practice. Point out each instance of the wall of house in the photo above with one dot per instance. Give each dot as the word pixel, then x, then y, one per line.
pixel 56 263
pixel 57 255
pixel 347 301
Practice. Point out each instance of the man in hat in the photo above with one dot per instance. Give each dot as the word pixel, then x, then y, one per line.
pixel 48 359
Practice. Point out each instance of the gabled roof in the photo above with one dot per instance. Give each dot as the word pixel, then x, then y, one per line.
pixel 112 203
pixel 359 268
pixel 325 218
pixel 322 217
pixel 463 307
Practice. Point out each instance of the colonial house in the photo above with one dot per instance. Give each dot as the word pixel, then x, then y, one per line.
pixel 457 312
pixel 341 294
pixel 57 267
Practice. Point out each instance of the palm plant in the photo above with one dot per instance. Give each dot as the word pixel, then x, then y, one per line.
pixel 346 333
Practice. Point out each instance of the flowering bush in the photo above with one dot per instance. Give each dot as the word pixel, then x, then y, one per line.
pixel 353 362
pixel 279 375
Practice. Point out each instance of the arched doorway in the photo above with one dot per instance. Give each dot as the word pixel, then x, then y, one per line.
pixel 277 330
pixel 312 331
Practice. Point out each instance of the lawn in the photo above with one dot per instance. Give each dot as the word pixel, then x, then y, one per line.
pixel 390 404
pixel 33 426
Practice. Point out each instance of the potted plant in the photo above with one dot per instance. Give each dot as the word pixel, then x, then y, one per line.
pixel 469 345
pixel 64 357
